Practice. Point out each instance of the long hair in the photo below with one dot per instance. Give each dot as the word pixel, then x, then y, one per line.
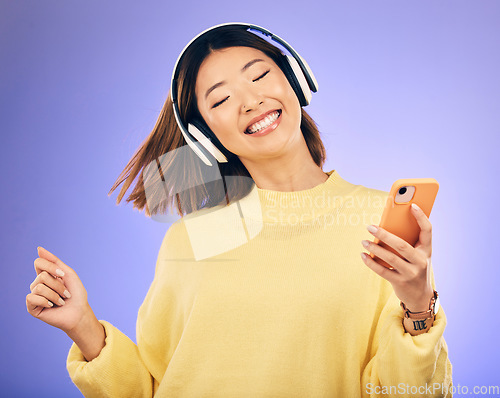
pixel 167 186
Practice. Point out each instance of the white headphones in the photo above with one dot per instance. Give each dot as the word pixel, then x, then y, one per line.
pixel 197 134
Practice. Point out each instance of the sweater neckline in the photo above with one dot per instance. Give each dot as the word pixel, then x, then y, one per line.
pixel 298 206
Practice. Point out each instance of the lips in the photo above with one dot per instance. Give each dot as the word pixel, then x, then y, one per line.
pixel 261 118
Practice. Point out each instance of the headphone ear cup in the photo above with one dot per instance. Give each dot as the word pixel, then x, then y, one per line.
pixel 301 79
pixel 196 147
pixel 297 80
pixel 309 75
pixel 202 133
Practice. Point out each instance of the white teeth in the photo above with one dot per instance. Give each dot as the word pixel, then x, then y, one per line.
pixel 266 122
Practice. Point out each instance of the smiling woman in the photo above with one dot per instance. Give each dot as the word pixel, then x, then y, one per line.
pixel 268 298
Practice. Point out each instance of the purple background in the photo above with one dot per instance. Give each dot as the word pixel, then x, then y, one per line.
pixel 406 90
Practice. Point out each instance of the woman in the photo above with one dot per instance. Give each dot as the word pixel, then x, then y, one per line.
pixel 267 299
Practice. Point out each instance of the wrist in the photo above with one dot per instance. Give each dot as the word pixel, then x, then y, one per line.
pixel 84 325
pixel 89 335
pixel 422 304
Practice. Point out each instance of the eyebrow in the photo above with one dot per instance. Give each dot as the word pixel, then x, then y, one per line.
pixel 248 65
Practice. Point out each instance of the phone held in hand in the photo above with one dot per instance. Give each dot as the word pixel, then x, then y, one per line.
pixel 397 217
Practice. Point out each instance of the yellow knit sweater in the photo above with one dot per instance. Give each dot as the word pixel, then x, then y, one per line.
pixel 270 298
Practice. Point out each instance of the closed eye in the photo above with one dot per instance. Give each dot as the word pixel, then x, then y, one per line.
pixel 220 102
pixel 261 76
pixel 224 100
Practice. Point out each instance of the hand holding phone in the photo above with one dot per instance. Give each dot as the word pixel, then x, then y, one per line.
pixel 397 217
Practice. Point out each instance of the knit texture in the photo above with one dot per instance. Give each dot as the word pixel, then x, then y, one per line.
pixel 269 297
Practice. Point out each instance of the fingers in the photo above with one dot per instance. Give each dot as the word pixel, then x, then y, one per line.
pixel 384 254
pixel 35 303
pixel 379 269
pixel 48 256
pixel 49 294
pixel 401 246
pixel 52 283
pixel 42 264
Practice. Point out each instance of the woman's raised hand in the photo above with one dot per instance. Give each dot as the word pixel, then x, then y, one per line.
pixel 57 295
pixel 410 275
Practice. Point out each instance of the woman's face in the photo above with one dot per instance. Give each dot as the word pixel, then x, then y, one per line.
pixel 241 90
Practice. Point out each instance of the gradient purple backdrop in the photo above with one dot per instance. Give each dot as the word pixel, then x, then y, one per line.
pixel 406 90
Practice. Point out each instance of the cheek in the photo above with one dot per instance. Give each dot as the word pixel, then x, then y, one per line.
pixel 223 124
pixel 284 90
pixel 292 103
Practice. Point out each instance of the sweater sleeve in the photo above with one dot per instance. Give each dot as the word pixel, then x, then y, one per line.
pixel 118 370
pixel 402 365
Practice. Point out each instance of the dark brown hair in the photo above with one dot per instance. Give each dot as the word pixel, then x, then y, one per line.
pixel 166 189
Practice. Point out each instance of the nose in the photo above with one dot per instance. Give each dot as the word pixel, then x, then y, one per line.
pixel 250 101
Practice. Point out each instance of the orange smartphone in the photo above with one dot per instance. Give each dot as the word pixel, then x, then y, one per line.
pixel 397 217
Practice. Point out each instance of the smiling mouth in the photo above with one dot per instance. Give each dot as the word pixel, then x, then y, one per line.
pixel 264 123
